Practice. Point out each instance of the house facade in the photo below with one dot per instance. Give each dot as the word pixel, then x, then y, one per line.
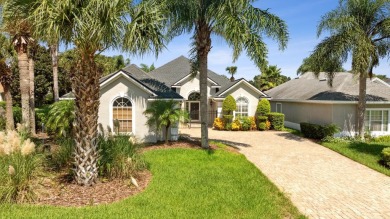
pixel 310 99
pixel 127 93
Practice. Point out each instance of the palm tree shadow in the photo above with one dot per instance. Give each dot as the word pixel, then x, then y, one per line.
pixel 290 136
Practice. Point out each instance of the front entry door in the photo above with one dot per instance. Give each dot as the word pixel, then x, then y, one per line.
pixel 194 110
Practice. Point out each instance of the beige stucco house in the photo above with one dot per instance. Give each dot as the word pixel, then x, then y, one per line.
pixel 310 99
pixel 127 93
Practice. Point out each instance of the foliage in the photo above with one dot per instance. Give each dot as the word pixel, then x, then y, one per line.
pixel 219 124
pixel 263 107
pixel 228 118
pixel 245 123
pixel 318 131
pixel 236 125
pixel 18 164
pixel 147 68
pixel 276 120
pixel 233 184
pixel 60 118
pixel 386 156
pixel 17 112
pixel 268 125
pixel 228 126
pixel 262 118
pixel 41 116
pixel 253 123
pixel 309 65
pixel 163 113
pixel 381 139
pixel 120 157
pixel 262 126
pixel 232 70
pixel 229 105
pixel 62 157
pixel 269 78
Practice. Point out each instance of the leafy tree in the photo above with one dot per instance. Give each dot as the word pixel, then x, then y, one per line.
pixel 238 22
pixel 92 26
pixel 263 107
pixel 232 70
pixel 147 68
pixel 361 29
pixel 163 113
pixel 60 118
pixel 270 77
pixel 327 65
pixel 229 105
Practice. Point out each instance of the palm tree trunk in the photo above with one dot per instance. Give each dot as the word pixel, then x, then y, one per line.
pixel 24 86
pixel 9 116
pixel 54 59
pixel 203 44
pixel 31 68
pixel 361 104
pixel 86 89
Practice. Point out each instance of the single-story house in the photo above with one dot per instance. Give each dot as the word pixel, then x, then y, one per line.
pixel 310 99
pixel 127 93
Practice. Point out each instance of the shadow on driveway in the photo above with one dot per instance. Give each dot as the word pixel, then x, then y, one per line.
pixel 290 136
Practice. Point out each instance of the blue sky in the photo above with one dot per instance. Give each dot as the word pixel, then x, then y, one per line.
pixel 302 18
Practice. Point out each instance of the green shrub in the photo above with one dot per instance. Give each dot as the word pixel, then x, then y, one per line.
pixel 41 115
pixel 120 157
pixel 262 126
pixel 318 131
pixel 228 118
pixel 17 111
pixel 236 125
pixel 18 165
pixel 229 105
pixel 62 157
pixel 245 123
pixel 276 120
pixel 381 139
pixel 228 126
pixel 2 104
pixel 219 124
pixel 262 118
pixel 263 107
pixel 60 118
pixel 386 156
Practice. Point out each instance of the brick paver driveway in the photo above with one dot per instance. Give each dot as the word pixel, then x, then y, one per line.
pixel 319 181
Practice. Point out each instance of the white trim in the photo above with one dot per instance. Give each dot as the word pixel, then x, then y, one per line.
pixel 67 98
pixel 377 133
pixel 247 83
pixel 189 75
pixel 248 105
pixel 133 111
pixel 327 101
pixel 176 86
pixel 121 73
pixel 216 86
pixel 192 91
pixel 381 81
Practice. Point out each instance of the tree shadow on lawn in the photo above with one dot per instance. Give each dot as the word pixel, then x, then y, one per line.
pixel 371 149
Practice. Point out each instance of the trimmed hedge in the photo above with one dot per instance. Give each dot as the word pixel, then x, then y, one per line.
pixel 263 107
pixel 277 121
pixel 386 155
pixel 318 131
pixel 262 126
pixel 229 105
pixel 262 118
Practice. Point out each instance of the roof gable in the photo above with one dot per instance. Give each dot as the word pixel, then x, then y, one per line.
pixel 239 82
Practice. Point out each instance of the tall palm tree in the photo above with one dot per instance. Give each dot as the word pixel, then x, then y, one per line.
pixel 6 79
pixel 236 21
pixel 232 70
pixel 31 67
pixel 360 28
pixel 93 26
pixel 17 25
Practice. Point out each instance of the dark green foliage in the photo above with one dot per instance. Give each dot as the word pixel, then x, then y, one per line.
pixel 62 157
pixel 228 118
pixel 228 126
pixel 277 121
pixel 17 112
pixel 2 104
pixel 229 105
pixel 262 126
pixel 269 78
pixel 263 107
pixel 60 118
pixel 386 156
pixel 120 158
pixel 381 139
pixel 262 118
pixel 41 116
pixel 318 131
pixel 245 123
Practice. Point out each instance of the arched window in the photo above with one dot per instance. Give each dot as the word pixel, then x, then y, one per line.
pixel 242 107
pixel 195 96
pixel 122 115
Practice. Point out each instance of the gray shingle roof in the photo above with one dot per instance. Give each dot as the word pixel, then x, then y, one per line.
pixel 178 69
pixel 345 88
pixel 230 84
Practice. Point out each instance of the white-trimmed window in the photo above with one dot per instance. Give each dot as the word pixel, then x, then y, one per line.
pixel 122 115
pixel 377 120
pixel 278 107
pixel 242 107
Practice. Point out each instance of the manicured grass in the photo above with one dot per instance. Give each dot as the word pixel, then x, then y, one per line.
pixel 367 154
pixel 186 183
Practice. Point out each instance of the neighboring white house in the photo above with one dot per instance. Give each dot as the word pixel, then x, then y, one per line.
pixel 127 93
pixel 310 99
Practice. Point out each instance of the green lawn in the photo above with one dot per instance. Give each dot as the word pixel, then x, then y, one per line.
pixel 365 153
pixel 186 183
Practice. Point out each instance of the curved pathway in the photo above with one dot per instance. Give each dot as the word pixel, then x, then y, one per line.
pixel 319 181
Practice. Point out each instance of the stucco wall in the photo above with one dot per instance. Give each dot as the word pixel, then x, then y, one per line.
pixel 242 90
pixel 191 85
pixel 122 87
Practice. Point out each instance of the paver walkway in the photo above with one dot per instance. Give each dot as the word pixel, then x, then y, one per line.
pixel 319 181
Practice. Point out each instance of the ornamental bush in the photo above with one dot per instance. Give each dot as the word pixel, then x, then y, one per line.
pixel 219 124
pixel 262 126
pixel 245 123
pixel 236 125
pixel 318 131
pixel 276 120
pixel 253 123
pixel 386 156
pixel 228 126
pixel 229 105
pixel 263 107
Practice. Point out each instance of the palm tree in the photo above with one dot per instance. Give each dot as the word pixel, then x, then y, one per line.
pixel 359 28
pixel 164 114
pixel 6 79
pixel 93 26
pixel 17 25
pixel 232 71
pixel 147 68
pixel 236 21
pixel 31 67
